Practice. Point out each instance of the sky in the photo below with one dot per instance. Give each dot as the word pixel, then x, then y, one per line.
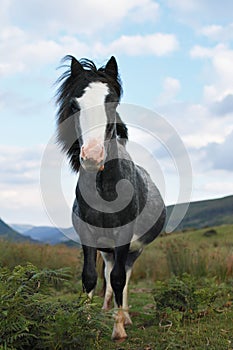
pixel 174 56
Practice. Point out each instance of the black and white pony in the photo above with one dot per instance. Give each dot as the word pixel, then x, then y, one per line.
pixel 117 209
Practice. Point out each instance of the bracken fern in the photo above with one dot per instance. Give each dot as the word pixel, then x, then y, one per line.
pixel 31 319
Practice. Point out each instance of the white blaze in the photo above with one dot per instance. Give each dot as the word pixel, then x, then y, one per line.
pixel 93 116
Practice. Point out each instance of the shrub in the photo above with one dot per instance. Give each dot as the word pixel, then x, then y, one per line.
pixel 210 233
pixel 186 297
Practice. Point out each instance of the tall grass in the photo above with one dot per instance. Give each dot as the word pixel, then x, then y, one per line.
pixel 190 252
pixel 181 259
pixel 41 255
pixel 199 262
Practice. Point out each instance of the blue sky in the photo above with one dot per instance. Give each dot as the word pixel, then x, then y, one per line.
pixel 175 57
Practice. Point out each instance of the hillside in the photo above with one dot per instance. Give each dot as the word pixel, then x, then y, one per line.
pixel 205 213
pixel 6 232
pixel 200 214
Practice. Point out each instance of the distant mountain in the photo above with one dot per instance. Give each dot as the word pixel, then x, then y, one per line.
pixel 21 228
pixel 205 213
pixel 52 235
pixel 6 232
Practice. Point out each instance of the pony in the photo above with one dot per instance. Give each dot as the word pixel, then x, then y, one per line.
pixel 117 208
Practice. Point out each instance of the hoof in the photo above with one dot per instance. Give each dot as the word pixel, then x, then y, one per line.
pixel 120 340
pixel 119 337
pixel 119 333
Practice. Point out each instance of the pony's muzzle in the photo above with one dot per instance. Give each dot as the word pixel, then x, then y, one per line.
pixel 92 156
pixel 91 165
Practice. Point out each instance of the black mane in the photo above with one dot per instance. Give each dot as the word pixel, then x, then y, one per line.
pixel 66 91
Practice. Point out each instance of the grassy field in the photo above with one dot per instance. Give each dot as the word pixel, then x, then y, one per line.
pixel 214 330
pixel 181 296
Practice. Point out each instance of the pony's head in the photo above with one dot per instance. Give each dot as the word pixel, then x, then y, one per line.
pixel 87 117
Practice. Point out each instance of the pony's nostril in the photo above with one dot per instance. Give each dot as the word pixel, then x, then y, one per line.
pixel 82 160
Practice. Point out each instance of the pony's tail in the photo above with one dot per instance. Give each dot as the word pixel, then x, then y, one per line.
pixel 100 269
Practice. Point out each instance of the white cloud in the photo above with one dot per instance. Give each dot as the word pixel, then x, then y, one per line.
pixel 201 10
pixel 22 204
pixel 196 124
pixel 224 106
pixel 145 12
pixel 223 187
pixel 208 140
pixel 158 44
pixel 33 52
pixel 21 52
pixel 4 13
pixel 212 183
pixel 211 31
pixel 171 88
pixel 11 40
pixel 76 17
pixel 19 165
pixel 218 32
pixel 220 72
pixel 207 52
pixel 40 32
pixel 20 188
pixel 201 52
pixel 20 198
pixel 220 154
pixel 183 5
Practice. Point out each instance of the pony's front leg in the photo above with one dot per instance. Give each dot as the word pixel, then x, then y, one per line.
pixel 89 274
pixel 118 281
pixel 109 262
pixel 127 320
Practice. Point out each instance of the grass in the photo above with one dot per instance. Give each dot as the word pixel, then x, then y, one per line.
pixel 169 310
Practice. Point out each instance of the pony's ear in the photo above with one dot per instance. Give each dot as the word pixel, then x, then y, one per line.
pixel 76 67
pixel 111 68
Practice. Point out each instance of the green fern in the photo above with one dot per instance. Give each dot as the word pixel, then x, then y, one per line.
pixel 32 318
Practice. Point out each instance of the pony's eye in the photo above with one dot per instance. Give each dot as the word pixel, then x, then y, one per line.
pixel 74 107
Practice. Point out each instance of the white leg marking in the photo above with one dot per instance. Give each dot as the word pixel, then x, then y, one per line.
pixel 108 259
pixel 91 294
pixel 125 298
pixel 122 317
